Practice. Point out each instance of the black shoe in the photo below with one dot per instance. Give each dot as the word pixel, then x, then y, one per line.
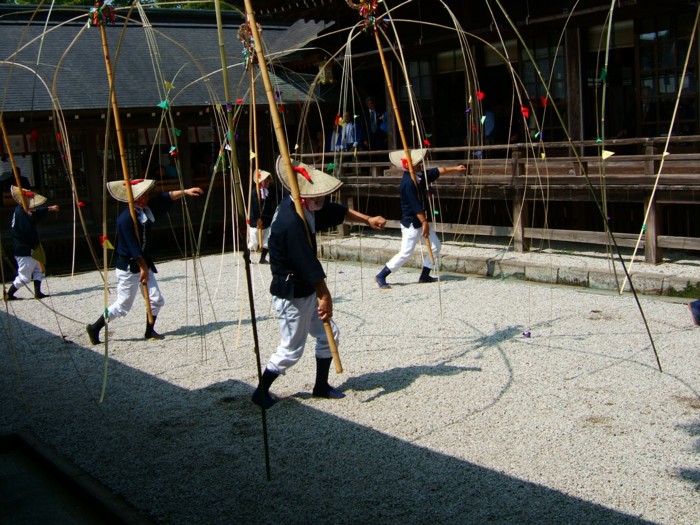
pixel 266 401
pixel 380 278
pixel 151 331
pixel 152 334
pixel 328 392
pixel 37 290
pixel 9 296
pixel 428 279
pixel 381 282
pixel 264 261
pixel 93 333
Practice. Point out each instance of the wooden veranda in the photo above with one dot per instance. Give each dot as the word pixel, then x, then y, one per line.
pixel 531 183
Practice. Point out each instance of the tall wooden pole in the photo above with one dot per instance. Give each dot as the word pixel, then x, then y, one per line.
pixel 399 125
pixel 367 9
pixel 8 147
pixel 15 172
pixel 286 159
pixel 241 219
pixel 256 169
pixel 122 154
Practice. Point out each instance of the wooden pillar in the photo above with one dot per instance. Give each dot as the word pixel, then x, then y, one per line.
pixel 344 229
pixel 516 164
pixel 184 156
pixel 572 50
pixel 393 141
pixel 520 205
pixel 520 221
pixel 652 253
pixel 93 164
pixel 649 163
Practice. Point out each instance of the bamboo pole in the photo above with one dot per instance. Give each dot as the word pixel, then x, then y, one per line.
pixel 18 181
pixel 241 219
pixel 122 155
pixel 15 172
pixel 11 156
pixel 399 125
pixel 286 159
pixel 256 170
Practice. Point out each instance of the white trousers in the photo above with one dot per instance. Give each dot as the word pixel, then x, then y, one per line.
pixel 127 290
pixel 27 271
pixel 297 319
pixel 253 238
pixel 410 237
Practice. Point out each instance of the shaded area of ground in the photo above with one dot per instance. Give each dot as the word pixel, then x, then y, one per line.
pixel 40 486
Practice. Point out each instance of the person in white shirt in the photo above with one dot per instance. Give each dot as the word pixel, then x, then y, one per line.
pixel 350 139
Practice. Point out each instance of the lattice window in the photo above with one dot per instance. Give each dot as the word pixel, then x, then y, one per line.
pixel 663 45
pixel 51 167
pixel 548 56
pixel 114 163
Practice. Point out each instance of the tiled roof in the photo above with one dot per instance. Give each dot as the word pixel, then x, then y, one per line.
pixel 69 62
pixel 293 10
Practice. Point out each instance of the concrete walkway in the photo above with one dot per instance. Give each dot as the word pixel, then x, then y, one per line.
pixel 555 263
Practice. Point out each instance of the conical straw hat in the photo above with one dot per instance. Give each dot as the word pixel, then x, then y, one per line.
pixel 117 188
pixel 396 157
pixel 31 198
pixel 311 182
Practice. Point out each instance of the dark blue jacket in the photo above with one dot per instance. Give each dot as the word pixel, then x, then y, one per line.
pixel 25 236
pixel 269 205
pixel 128 248
pixel 413 200
pixel 293 262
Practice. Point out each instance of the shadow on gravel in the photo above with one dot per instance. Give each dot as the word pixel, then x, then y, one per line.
pixel 693 475
pixel 206 328
pixel 183 456
pixel 397 379
pixel 77 291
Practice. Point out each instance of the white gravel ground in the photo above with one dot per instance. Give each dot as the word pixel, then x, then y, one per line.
pixel 452 415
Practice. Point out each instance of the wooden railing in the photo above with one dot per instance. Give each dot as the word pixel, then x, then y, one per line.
pixel 638 172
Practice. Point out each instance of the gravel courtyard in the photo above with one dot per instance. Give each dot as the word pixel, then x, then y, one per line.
pixel 453 414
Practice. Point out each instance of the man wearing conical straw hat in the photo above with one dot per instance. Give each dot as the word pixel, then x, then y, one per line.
pixel 298 287
pixel 259 221
pixel 132 257
pixel 25 241
pixel 415 219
